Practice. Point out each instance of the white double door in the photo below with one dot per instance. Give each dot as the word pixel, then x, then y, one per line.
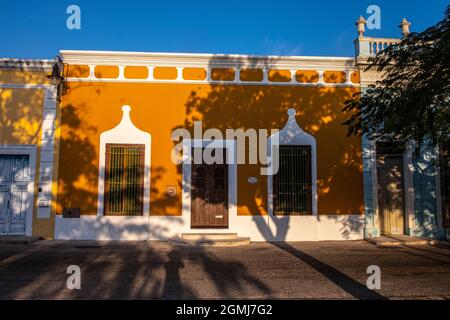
pixel 14 181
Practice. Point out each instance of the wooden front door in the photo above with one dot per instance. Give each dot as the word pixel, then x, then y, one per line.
pixel 445 183
pixel 391 193
pixel 14 179
pixel 209 196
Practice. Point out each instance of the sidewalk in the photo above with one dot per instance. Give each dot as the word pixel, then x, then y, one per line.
pixel 159 270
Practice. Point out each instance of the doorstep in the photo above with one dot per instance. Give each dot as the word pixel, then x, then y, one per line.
pixel 210 240
pixel 18 239
pixel 444 243
pixel 399 240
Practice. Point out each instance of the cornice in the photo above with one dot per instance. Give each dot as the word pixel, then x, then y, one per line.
pixel 26 64
pixel 204 60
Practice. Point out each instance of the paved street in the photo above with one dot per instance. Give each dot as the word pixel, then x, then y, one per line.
pixel 158 270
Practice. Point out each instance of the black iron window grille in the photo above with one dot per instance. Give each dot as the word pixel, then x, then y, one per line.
pixel 292 187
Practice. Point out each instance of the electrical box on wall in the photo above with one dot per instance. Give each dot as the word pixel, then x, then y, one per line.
pixel 70 213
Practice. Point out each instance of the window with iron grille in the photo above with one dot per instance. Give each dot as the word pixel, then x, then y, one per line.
pixel 124 179
pixel 292 187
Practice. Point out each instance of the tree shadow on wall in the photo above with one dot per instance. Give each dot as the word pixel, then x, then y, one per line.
pixel 77 159
pixel 318 113
pixel 21 121
pixel 21 111
pixel 265 107
pixel 78 162
pixel 161 202
pixel 141 272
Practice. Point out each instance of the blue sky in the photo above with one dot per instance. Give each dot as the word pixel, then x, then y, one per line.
pixel 37 29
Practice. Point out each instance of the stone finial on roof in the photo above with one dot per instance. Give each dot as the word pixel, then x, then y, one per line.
pixel 360 24
pixel 404 25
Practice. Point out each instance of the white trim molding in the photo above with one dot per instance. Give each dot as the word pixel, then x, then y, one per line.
pixel 293 134
pixel 440 212
pixel 201 59
pixel 126 133
pixel 25 86
pixel 230 145
pixel 179 61
pixel 26 64
pixel 408 182
pixel 47 153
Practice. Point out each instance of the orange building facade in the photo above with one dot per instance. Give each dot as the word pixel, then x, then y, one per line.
pixel 28 154
pixel 165 92
pixel 153 146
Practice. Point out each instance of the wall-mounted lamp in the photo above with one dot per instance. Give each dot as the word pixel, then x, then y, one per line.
pixel 56 78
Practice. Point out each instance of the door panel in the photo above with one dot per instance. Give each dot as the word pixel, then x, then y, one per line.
pixel 391 193
pixel 444 157
pixel 199 196
pixel 14 179
pixel 18 208
pixel 4 211
pixel 209 195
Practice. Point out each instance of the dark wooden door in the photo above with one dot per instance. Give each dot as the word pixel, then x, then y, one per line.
pixel 391 193
pixel 209 196
pixel 445 183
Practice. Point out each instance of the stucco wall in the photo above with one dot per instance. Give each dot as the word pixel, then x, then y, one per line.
pixel 90 108
pixel 22 106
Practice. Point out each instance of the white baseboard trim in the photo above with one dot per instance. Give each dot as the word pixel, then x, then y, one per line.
pixel 258 228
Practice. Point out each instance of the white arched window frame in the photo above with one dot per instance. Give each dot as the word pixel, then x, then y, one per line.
pixel 124 133
pixel 292 134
